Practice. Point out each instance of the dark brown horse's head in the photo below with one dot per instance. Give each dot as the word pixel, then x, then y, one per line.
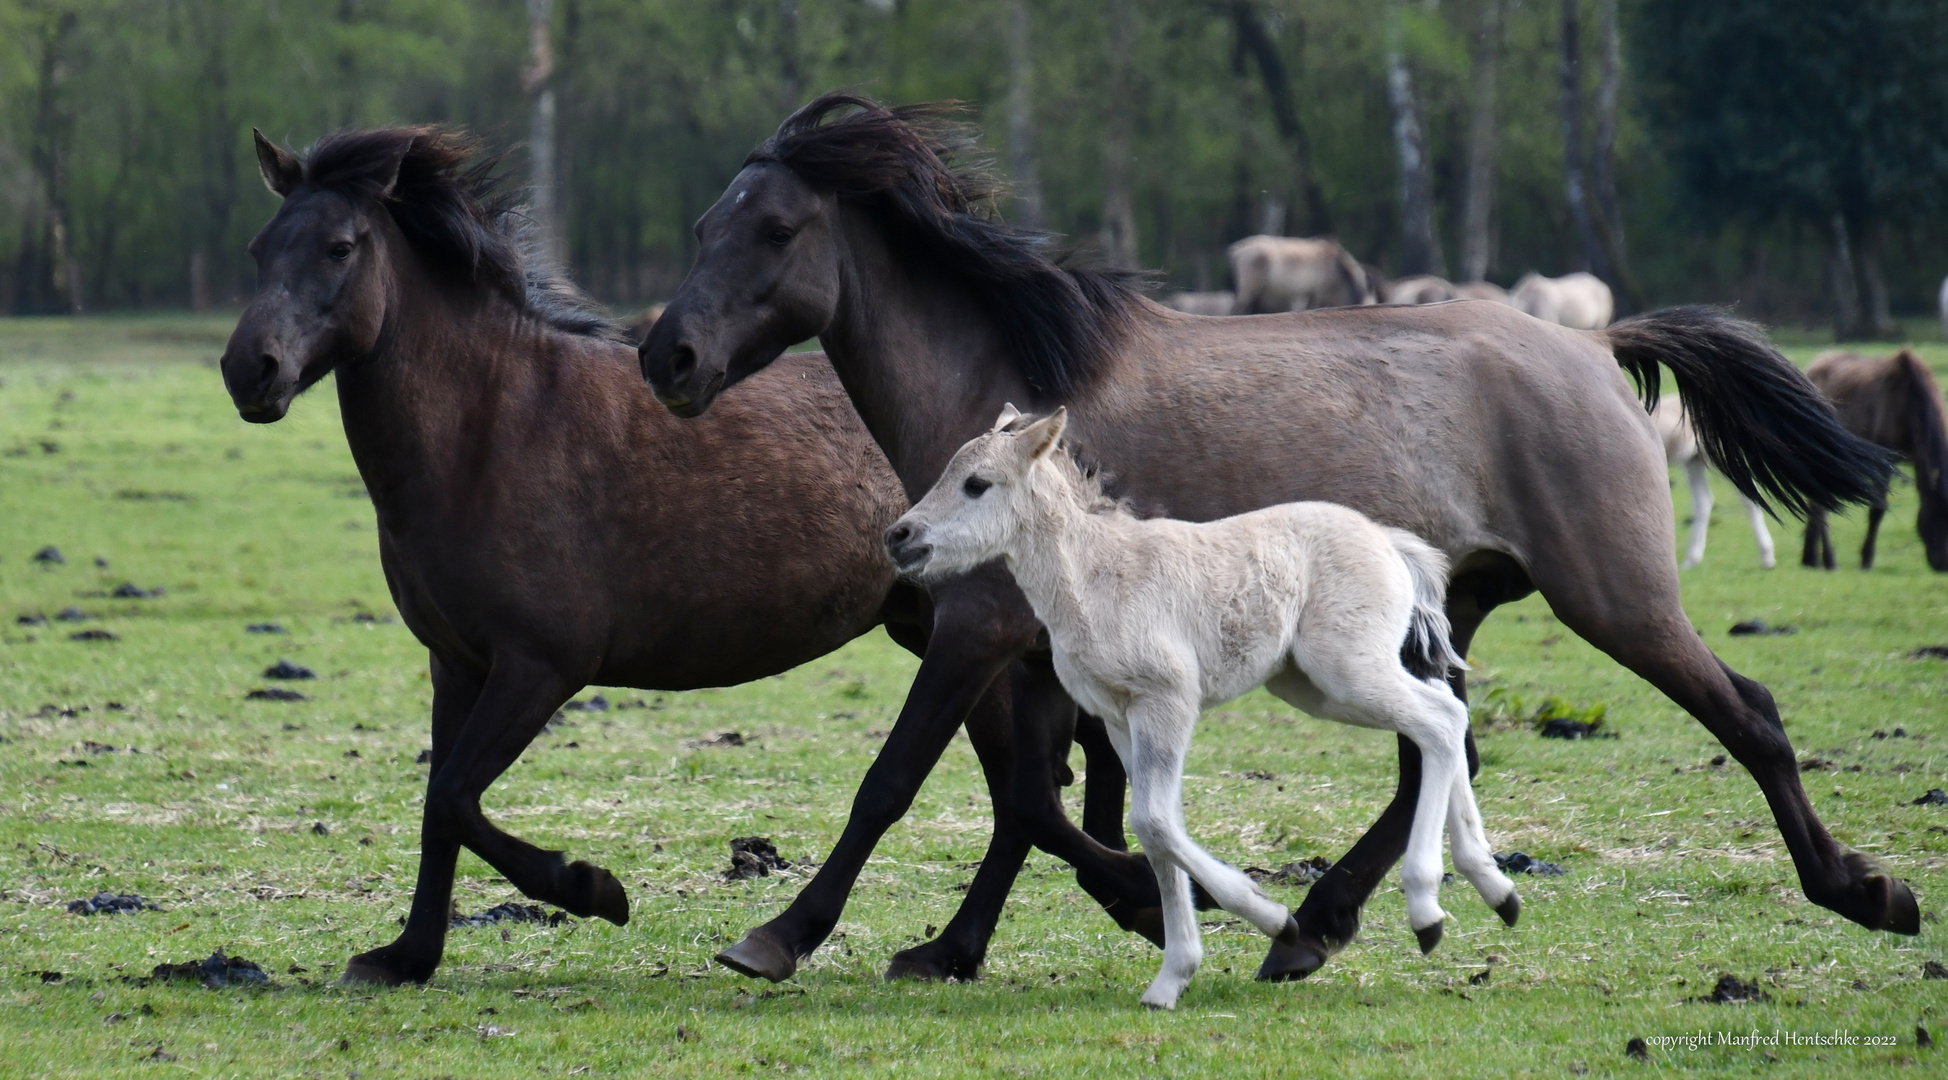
pixel 777 261
pixel 321 276
pixel 362 210
pixel 1928 448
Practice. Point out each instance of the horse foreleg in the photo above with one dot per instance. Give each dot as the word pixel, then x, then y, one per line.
pixel 1874 515
pixel 1102 785
pixel 964 654
pixel 963 943
pixel 480 726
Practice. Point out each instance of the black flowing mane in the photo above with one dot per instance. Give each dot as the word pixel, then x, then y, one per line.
pixel 1062 323
pixel 456 209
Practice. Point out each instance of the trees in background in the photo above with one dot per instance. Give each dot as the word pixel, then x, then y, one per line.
pixel 1423 133
pixel 1820 116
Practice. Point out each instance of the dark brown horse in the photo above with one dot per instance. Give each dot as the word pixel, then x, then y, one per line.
pixel 1516 446
pixel 544 525
pixel 1891 402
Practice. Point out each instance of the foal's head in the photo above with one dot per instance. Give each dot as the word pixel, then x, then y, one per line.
pixel 994 485
pixel 328 263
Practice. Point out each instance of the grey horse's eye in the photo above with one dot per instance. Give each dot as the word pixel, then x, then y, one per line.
pixel 975 486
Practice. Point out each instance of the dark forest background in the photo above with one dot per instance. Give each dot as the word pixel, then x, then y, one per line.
pixel 1789 156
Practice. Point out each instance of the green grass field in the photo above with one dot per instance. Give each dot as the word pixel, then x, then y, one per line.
pixel 118 442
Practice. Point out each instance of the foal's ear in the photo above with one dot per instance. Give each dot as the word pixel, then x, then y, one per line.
pixel 1040 437
pixel 278 166
pixel 1009 414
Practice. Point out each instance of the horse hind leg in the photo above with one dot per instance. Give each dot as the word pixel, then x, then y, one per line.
pixel 1468 843
pixel 1700 483
pixel 1768 558
pixel 1875 514
pixel 1626 604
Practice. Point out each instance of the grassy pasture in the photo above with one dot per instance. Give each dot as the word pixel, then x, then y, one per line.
pixel 117 441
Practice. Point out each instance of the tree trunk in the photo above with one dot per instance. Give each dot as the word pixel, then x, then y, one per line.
pixel 538 81
pixel 1021 119
pixel 1860 306
pixel 1575 185
pixel 1603 177
pixel 199 282
pixel 1255 41
pixel 791 83
pixel 1420 249
pixel 1118 241
pixel 48 278
pixel 1477 236
pixel 218 149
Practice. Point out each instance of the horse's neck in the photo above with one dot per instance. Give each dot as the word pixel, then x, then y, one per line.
pixel 925 366
pixel 412 407
pixel 1054 558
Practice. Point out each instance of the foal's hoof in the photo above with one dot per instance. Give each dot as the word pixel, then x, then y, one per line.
pixel 1877 901
pixel 932 962
pixel 599 893
pixel 1294 955
pixel 1428 936
pixel 760 956
pixel 385 967
pixel 1509 909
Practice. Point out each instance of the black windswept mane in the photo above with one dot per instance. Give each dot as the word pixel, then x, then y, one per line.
pixel 456 209
pixel 1061 323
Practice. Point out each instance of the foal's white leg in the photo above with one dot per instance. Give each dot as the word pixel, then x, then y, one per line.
pixel 1700 481
pixel 1473 858
pixel 1160 734
pixel 1760 533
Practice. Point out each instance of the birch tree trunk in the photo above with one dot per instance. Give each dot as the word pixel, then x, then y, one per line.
pixel 1477 216
pixel 1603 177
pixel 1420 249
pixel 1575 183
pixel 48 277
pixel 1021 120
pixel 538 81
pixel 1118 239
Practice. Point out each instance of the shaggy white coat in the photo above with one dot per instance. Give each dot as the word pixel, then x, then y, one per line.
pixel 1153 621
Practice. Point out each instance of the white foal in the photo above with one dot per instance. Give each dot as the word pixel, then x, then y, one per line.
pixel 1151 622
pixel 1681 448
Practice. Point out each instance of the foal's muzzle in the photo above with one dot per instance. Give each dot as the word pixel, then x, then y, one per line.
pixel 906 547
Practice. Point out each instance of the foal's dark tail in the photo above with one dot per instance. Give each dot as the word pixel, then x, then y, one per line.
pixel 1757 418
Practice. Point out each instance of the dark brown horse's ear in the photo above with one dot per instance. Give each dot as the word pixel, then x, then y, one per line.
pixel 389 172
pixel 279 166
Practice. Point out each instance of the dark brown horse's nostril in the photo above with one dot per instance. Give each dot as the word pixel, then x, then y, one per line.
pixel 683 363
pixel 267 371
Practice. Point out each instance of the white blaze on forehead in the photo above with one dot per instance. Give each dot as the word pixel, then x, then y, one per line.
pixel 740 196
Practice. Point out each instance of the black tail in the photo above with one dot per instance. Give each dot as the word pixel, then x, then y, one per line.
pixel 1757 417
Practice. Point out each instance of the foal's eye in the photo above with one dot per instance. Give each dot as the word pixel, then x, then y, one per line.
pixel 975 486
pixel 341 251
pixel 779 237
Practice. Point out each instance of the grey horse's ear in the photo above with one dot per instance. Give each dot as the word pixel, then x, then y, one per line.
pixel 1041 436
pixel 1009 414
pixel 278 166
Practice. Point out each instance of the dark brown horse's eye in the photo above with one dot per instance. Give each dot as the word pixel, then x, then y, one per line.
pixel 341 251
pixel 975 486
pixel 780 237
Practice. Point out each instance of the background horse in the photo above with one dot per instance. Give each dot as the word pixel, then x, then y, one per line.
pixel 1681 448
pixel 1579 300
pixel 1515 446
pixel 1893 402
pixel 1290 273
pixel 544 525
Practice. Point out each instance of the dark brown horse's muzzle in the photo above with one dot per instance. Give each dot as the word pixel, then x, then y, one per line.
pixel 257 382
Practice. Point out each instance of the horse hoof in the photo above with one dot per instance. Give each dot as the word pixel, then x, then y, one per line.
pixel 1877 901
pixel 1428 936
pixel 383 967
pixel 1293 955
pixel 1509 909
pixel 926 963
pixel 604 896
pixel 760 956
